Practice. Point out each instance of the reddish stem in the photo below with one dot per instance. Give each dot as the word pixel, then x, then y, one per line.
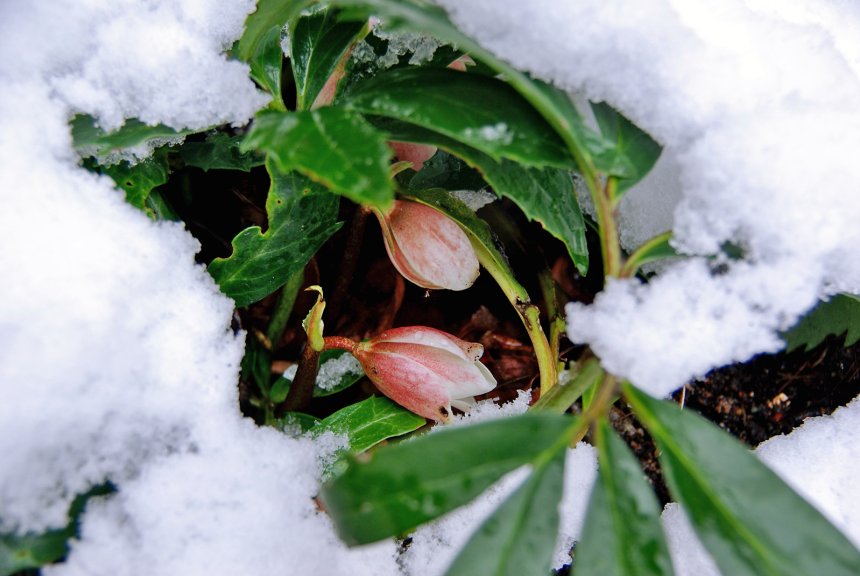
pixel 340 343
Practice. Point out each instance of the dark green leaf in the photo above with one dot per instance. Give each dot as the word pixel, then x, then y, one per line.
pixel 544 195
pixel 369 422
pixel 296 421
pixel 268 15
pixel 332 146
pixel 839 315
pixel 404 485
pixel 746 516
pixel 219 152
pixel 477 110
pixel 631 142
pixel 90 140
pixel 301 218
pixel 23 551
pixel 590 150
pixel 138 180
pixel 257 365
pixel 318 43
pixel 622 535
pixel 446 171
pixel 267 64
pixel 518 539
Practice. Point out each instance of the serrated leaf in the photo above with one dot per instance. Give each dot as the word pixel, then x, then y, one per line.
pixel 750 521
pixel 839 315
pixel 404 485
pixel 545 195
pixel 369 422
pixel 267 62
pixel 318 43
pixel 138 180
pixel 90 140
pixel 623 535
pixel 630 142
pixel 268 15
pixel 332 146
pixel 480 111
pixel 219 152
pixel 589 149
pixel 302 216
pixel 518 539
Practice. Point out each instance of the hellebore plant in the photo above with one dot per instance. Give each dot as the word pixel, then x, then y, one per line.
pixel 423 369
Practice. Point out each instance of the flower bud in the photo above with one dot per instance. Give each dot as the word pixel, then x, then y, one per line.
pixel 425 370
pixel 427 247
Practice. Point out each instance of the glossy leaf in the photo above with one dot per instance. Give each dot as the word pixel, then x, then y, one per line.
pixel 293 422
pixel 318 43
pixel 839 315
pixel 267 64
pixel 639 150
pixel 746 516
pixel 477 110
pixel 623 535
pixel 268 15
pixel 90 140
pixel 332 146
pixel 219 152
pixel 138 180
pixel 302 216
pixel 369 422
pixel 404 485
pixel 589 149
pixel 518 539
pixel 543 194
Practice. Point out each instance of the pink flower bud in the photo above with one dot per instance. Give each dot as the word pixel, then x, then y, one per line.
pixel 427 247
pixel 417 154
pixel 425 370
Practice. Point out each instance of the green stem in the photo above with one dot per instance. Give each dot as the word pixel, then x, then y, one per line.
pixel 560 398
pixel 529 314
pixel 284 307
pixel 553 310
pixel 605 396
pixel 610 247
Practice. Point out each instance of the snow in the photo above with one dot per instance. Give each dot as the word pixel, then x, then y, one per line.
pixel 818 459
pixel 117 360
pixel 759 105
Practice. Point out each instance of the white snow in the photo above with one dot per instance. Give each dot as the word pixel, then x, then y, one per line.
pixel 759 104
pixel 819 460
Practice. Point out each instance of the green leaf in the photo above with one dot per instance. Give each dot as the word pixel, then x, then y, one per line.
pixel 301 218
pixel 24 551
pixel 518 539
pixel 631 142
pixel 369 422
pixel 545 195
pixel 292 421
pixel 138 180
pixel 622 535
pixel 746 516
pixel 446 171
pixel 268 15
pixel 219 152
pixel 839 315
pixel 319 41
pixel 332 146
pixel 90 140
pixel 267 64
pixel 477 110
pixel 404 485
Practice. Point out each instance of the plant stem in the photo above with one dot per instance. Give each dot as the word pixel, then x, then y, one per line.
pixel 284 307
pixel 349 261
pixel 529 314
pixel 610 247
pixel 560 398
pixel 553 310
pixel 339 343
pixel 605 396
pixel 302 388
